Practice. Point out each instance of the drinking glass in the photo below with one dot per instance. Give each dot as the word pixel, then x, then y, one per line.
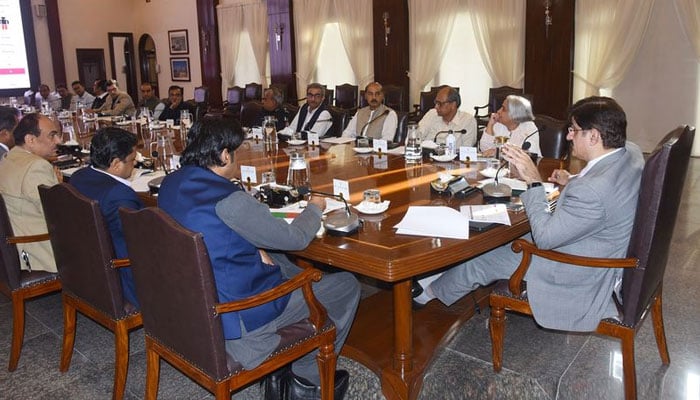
pixel 413 152
pixel 270 129
pixel 298 172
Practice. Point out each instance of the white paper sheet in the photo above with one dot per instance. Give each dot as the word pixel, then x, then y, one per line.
pixel 338 140
pixel 434 221
pixel 493 213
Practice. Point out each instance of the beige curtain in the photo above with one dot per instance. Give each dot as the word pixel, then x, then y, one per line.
pixel 310 16
pixel 499 29
pixel 355 22
pixel 689 14
pixel 429 27
pixel 230 20
pixel 255 22
pixel 608 35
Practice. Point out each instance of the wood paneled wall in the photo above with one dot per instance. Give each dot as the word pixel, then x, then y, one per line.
pixel 391 61
pixel 209 49
pixel 282 59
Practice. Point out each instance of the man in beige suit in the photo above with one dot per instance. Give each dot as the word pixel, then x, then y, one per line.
pixel 23 170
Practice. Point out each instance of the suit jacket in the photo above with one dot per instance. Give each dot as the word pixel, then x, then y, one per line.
pixel 20 175
pixel 190 195
pixel 111 194
pixel 594 217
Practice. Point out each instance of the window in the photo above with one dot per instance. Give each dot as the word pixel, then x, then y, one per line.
pixel 333 66
pixel 246 69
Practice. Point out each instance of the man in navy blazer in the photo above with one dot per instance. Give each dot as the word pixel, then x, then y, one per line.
pixel 112 156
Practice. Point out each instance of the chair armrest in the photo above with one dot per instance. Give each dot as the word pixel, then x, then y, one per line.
pixel 528 249
pixel 317 313
pixel 27 239
pixel 120 262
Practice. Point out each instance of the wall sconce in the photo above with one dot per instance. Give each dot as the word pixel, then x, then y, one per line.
pixel 205 42
pixel 547 17
pixel 279 31
pixel 40 10
pixel 387 28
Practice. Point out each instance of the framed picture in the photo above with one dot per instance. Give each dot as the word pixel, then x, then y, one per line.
pixel 178 42
pixel 180 69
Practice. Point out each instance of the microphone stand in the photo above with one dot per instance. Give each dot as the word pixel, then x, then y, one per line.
pixel 497 192
pixel 340 224
pixel 526 145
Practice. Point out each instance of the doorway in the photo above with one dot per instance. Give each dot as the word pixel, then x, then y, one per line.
pixel 91 66
pixel 121 52
pixel 149 62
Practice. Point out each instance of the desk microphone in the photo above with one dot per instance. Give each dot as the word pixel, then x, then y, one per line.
pixel 448 131
pixel 337 223
pixel 526 145
pixel 160 158
pixel 372 120
pixel 497 192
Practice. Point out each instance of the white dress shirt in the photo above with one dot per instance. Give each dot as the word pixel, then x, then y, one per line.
pixel 432 123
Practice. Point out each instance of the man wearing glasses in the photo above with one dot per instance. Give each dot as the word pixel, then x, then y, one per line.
pixel 447 116
pixel 312 116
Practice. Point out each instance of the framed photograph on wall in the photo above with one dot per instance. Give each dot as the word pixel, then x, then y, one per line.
pixel 180 69
pixel 178 42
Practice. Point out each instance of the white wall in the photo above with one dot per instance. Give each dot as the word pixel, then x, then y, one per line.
pixel 85 24
pixel 660 90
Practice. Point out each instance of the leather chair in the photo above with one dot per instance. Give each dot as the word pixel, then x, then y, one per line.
pixel 395 97
pixel 253 91
pixel 250 111
pixel 183 326
pixel 346 96
pixel 341 119
pixel 553 144
pixel 17 284
pixel 328 100
pixel 659 197
pixel 87 266
pixel 401 127
pixel 201 102
pixel 234 98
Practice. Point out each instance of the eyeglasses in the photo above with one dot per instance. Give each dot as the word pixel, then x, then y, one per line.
pixel 441 103
pixel 312 95
pixel 571 129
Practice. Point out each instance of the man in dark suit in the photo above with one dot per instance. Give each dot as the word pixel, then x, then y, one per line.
pixel 112 155
pixel 177 105
pixel 8 120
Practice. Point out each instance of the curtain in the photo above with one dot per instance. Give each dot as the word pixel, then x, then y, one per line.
pixel 689 14
pixel 429 27
pixel 230 21
pixel 499 30
pixel 255 22
pixel 608 35
pixel 310 16
pixel 355 22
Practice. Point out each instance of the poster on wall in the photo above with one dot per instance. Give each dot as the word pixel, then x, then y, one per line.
pixel 178 42
pixel 14 66
pixel 180 69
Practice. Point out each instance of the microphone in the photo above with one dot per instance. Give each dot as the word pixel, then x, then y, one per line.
pixel 462 131
pixel 336 223
pixel 160 158
pixel 526 145
pixel 372 120
pixel 497 192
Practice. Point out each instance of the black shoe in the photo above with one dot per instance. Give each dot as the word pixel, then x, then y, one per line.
pixel 301 389
pixel 416 289
pixel 274 385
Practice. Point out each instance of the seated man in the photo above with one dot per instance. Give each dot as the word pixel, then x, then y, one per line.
pixel 9 117
pixel 272 105
pixel 594 217
pixel 118 102
pixel 172 111
pixel 376 121
pixel 81 96
pixel 112 156
pixel 447 116
pixel 246 244
pixel 514 121
pixel 100 90
pixel 45 94
pixel 312 116
pixel 65 95
pixel 150 100
pixel 23 170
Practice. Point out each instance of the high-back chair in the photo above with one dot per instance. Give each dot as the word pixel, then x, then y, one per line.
pixel 17 284
pixel 253 91
pixel 553 144
pixel 341 119
pixel 395 97
pixel 250 111
pixel 234 98
pixel 401 127
pixel 346 96
pixel 201 101
pixel 657 207
pixel 86 264
pixel 182 313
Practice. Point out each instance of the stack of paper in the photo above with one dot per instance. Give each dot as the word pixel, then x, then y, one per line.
pixel 338 140
pixel 434 221
pixel 493 213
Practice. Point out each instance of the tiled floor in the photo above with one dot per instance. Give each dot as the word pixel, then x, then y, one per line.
pixel 538 364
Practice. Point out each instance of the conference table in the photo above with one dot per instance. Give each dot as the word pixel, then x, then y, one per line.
pixel 388 336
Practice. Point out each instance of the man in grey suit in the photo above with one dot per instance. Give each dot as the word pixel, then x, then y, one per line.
pixel 594 217
pixel 9 116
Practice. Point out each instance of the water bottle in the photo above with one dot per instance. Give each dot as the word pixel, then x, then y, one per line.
pixel 413 152
pixel 450 143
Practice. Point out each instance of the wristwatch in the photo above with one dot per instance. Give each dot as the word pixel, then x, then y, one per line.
pixel 534 185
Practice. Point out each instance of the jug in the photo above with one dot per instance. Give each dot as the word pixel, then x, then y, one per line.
pixel 270 129
pixel 298 172
pixel 413 152
pixel 165 155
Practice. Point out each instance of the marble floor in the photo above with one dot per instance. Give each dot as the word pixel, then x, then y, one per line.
pixel 538 364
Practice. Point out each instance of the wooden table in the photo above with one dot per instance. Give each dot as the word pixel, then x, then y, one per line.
pixel 388 337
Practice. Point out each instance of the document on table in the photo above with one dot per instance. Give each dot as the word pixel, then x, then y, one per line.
pixel 434 221
pixel 338 140
pixel 493 213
